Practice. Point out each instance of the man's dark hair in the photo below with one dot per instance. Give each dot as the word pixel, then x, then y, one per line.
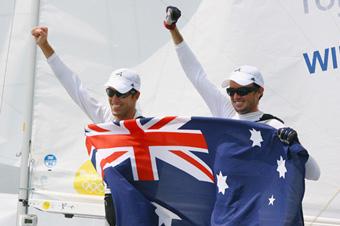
pixel 257 87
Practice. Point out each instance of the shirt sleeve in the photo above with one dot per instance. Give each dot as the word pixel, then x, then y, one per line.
pixel 95 110
pixel 218 103
pixel 312 169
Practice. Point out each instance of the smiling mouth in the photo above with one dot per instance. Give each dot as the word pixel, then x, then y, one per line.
pixel 238 102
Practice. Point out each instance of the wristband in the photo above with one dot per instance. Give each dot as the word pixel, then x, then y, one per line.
pixel 169 27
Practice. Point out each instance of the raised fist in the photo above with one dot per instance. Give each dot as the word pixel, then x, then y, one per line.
pixel 40 34
pixel 287 135
pixel 172 15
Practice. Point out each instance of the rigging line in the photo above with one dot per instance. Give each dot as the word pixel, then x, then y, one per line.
pixel 326 206
pixel 7 57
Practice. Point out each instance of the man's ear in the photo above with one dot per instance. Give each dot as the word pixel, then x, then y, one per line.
pixel 136 95
pixel 261 91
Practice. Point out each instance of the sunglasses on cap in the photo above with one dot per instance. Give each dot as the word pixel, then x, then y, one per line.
pixel 242 91
pixel 111 93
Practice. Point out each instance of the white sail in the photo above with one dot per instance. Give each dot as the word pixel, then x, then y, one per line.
pixel 282 38
pixel 8 209
pixel 13 83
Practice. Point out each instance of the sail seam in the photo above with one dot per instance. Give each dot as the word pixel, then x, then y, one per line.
pixel 7 57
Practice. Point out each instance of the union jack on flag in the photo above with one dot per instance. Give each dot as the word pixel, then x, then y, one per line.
pixel 144 141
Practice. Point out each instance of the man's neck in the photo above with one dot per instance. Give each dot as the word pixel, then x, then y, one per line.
pixel 251 116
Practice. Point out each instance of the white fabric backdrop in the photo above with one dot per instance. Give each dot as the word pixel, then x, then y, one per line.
pixel 95 37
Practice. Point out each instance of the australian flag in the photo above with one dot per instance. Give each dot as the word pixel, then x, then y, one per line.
pixel 176 171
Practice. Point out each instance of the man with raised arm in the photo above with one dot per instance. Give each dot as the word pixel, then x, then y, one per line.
pixel 244 89
pixel 122 88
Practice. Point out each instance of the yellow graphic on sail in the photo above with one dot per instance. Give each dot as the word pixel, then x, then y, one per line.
pixel 46 205
pixel 87 181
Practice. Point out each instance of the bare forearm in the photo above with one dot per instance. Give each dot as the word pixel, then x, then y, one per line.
pixel 176 36
pixel 47 49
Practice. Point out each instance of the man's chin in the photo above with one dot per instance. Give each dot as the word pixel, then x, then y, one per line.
pixel 238 109
pixel 241 111
pixel 115 114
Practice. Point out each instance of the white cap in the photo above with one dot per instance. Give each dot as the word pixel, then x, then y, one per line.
pixel 245 75
pixel 123 80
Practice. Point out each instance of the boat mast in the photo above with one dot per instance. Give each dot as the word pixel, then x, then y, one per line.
pixel 30 10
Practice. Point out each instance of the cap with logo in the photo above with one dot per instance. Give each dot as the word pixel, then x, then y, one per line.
pixel 123 80
pixel 245 75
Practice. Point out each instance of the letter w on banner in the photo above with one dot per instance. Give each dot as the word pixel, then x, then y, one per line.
pixel 177 171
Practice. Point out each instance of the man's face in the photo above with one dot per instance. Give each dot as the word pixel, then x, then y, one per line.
pixel 244 104
pixel 123 106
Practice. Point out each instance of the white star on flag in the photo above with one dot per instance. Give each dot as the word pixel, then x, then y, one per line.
pixel 222 183
pixel 271 200
pixel 165 216
pixel 256 137
pixel 281 167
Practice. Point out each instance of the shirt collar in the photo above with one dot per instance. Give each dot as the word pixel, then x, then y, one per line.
pixel 252 116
